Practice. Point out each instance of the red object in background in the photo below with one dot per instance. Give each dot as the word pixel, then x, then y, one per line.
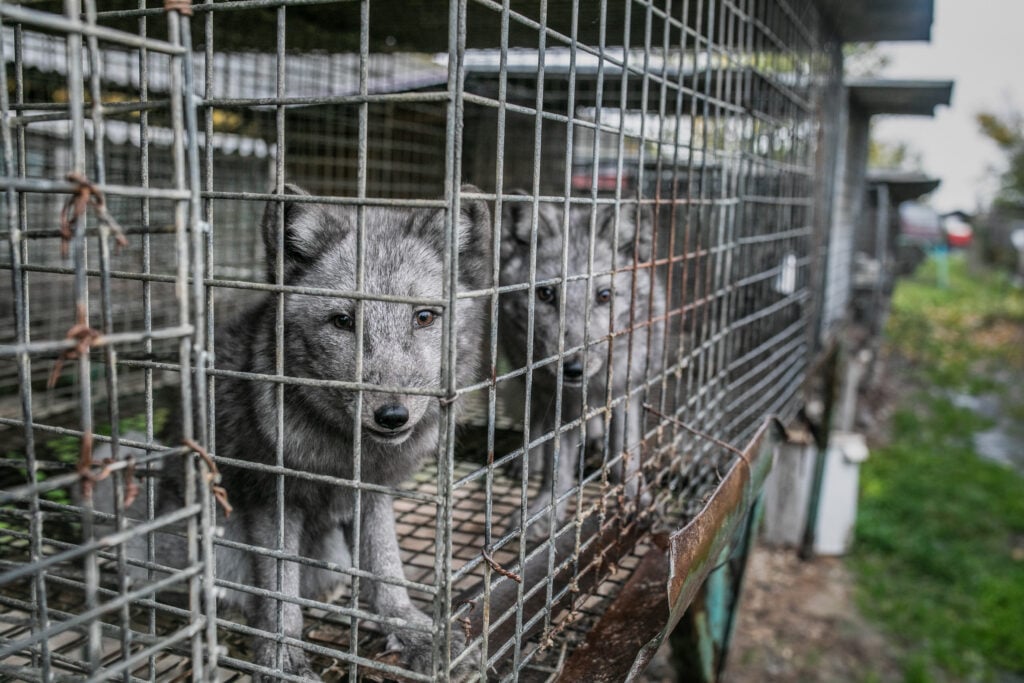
pixel 605 182
pixel 608 177
pixel 959 232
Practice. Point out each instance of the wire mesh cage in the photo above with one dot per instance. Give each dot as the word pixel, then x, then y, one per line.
pixel 377 339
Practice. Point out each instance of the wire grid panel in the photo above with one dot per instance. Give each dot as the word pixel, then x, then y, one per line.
pixel 312 295
pixel 79 583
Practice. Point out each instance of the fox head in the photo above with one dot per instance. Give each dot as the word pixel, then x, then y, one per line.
pixel 565 299
pixel 394 345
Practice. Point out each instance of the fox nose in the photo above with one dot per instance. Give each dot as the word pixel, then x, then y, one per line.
pixel 573 369
pixel 391 416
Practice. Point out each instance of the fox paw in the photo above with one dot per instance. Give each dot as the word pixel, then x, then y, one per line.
pixel 415 652
pixel 292 661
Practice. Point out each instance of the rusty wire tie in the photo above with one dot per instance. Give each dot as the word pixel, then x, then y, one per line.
pixel 212 476
pixel 467 625
pixel 131 490
pixel 84 194
pixel 547 639
pixel 86 337
pixel 493 564
pixel 89 479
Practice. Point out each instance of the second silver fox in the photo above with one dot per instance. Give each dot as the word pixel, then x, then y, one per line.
pixel 625 306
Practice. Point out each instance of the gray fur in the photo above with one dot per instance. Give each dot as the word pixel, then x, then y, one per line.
pixel 635 302
pixel 404 255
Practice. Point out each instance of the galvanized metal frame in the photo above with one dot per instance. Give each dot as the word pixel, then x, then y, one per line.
pixel 720 102
pixel 43 622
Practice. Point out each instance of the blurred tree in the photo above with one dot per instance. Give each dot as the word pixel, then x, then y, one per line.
pixel 1007 131
pixel 863 60
pixel 993 231
pixel 897 156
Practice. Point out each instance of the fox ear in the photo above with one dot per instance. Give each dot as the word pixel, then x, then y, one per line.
pixel 517 221
pixel 472 230
pixel 636 229
pixel 308 230
pixel 474 239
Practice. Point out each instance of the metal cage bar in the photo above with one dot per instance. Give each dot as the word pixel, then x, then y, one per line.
pixel 633 264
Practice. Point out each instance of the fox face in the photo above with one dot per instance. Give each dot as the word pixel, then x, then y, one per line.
pixel 396 346
pixel 584 305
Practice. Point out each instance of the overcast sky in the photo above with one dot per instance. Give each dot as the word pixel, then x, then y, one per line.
pixel 980 45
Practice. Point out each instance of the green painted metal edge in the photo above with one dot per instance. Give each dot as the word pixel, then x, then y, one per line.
pixel 694 550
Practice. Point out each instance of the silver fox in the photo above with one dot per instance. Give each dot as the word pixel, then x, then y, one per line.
pixel 401 347
pixel 631 298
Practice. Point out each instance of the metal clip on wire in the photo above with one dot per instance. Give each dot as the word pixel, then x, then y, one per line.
pixel 212 476
pixel 86 337
pixel 84 194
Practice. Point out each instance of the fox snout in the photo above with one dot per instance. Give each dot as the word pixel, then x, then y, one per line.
pixel 574 372
pixel 388 418
pixel 391 416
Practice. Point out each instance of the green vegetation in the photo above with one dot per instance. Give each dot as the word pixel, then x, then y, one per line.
pixel 1007 131
pixel 957 337
pixel 66 450
pixel 940 534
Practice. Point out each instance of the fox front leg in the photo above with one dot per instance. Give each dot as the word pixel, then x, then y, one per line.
pixel 379 556
pixel 626 438
pixel 559 477
pixel 540 459
pixel 265 612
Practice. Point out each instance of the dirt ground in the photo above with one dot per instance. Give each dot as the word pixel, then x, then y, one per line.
pixel 798 622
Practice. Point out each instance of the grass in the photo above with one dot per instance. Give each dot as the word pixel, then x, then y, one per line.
pixel 940 533
pixel 955 337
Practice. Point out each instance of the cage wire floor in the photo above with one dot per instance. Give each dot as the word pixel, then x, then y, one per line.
pixel 415 524
pixel 543 652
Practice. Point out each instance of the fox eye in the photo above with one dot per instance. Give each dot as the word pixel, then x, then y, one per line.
pixel 546 294
pixel 604 295
pixel 343 321
pixel 424 317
